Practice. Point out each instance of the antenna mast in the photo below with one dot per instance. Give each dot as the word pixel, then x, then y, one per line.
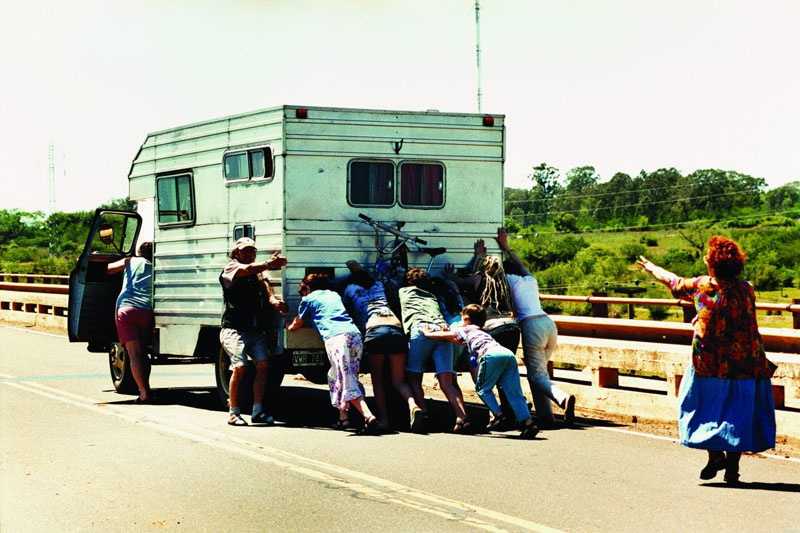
pixel 51 185
pixel 478 51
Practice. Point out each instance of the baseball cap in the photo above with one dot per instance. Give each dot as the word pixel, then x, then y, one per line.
pixel 244 242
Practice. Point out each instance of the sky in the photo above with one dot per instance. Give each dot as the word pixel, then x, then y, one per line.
pixel 622 85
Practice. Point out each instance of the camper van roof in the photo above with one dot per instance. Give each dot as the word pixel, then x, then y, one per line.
pixel 343 109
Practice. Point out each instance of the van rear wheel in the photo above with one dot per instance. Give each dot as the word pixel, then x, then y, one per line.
pixel 120 366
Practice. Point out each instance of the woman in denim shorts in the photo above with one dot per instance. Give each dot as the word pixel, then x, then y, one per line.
pixel 420 310
pixel 384 340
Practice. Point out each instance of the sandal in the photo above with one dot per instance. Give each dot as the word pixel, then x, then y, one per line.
pixel 529 431
pixel 497 423
pixel 236 420
pixel 342 424
pixel 462 425
pixel 370 426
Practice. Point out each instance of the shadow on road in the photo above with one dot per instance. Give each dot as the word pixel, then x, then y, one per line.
pixel 299 406
pixel 758 485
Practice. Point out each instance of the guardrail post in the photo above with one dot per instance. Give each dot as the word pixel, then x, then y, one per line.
pixel 796 315
pixel 599 310
pixel 605 377
pixel 688 314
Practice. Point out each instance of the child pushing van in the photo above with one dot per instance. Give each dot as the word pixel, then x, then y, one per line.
pixel 496 366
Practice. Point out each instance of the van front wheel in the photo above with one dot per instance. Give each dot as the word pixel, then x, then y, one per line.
pixel 120 366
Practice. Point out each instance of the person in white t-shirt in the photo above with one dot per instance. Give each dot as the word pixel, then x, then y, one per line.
pixel 539 338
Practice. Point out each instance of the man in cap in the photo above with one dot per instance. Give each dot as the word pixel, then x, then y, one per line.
pixel 244 320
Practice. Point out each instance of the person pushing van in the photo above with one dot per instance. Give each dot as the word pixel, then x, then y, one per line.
pixel 243 323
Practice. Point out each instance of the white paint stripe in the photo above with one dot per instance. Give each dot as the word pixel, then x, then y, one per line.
pixel 677 441
pixel 60 336
pixel 374 487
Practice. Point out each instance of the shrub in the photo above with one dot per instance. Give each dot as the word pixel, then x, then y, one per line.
pixel 630 251
pixel 658 312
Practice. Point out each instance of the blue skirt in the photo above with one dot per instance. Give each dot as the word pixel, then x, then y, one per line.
pixel 735 415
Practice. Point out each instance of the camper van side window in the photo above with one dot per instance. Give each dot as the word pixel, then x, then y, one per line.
pixel 175 200
pixel 248 164
pixel 421 184
pixel 370 183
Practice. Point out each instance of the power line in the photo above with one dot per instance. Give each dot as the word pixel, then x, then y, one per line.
pixel 635 191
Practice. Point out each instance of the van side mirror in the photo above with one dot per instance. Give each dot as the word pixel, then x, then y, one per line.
pixel 106 233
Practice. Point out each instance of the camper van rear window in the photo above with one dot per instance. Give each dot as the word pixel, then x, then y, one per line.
pixel 175 199
pixel 371 183
pixel 255 163
pixel 421 184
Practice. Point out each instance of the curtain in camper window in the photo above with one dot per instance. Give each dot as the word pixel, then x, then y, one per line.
pixel 175 199
pixel 371 183
pixel 422 185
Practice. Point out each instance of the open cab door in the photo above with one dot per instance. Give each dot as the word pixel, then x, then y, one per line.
pixel 92 291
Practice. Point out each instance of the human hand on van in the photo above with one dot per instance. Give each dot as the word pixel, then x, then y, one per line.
pixel 353 265
pixel 502 238
pixel 276 261
pixel 480 247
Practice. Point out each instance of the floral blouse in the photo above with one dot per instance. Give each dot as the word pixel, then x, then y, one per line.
pixel 726 341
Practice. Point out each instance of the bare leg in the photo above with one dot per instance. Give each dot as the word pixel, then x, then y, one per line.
pixel 140 368
pixel 378 388
pixel 233 386
pixel 361 407
pixel 415 384
pixel 260 383
pixel 397 363
pixel 453 394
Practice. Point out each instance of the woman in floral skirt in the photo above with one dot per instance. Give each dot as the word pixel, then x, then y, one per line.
pixel 342 343
pixel 726 403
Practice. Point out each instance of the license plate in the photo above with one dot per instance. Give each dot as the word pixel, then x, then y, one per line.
pixel 303 358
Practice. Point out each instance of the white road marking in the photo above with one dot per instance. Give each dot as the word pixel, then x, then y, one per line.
pixel 376 488
pixel 676 441
pixel 27 330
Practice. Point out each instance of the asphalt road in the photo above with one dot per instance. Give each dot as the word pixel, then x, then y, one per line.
pixel 76 456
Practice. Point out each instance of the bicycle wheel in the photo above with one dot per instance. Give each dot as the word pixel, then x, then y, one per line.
pixel 399 259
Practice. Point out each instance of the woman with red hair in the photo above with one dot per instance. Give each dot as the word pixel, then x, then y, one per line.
pixel 726 403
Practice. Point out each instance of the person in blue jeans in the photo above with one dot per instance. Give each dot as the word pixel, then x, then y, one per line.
pixel 420 309
pixel 496 366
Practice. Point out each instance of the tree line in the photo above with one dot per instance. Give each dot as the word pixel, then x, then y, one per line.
pixel 665 197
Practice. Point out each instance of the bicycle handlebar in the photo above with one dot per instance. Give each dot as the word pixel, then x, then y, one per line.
pixel 393 231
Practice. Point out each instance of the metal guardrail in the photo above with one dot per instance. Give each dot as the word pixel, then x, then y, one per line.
pixel 49 279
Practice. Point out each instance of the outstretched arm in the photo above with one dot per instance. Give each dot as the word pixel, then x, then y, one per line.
pixel 502 241
pixel 118 266
pixel 448 336
pixel 661 274
pixel 297 323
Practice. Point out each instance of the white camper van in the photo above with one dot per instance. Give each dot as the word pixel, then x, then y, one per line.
pixel 295 179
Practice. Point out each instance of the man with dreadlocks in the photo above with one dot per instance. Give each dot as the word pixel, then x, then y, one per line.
pixel 539 337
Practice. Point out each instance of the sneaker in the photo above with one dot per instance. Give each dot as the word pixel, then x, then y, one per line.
pixel 262 418
pixel 417 420
pixel 236 420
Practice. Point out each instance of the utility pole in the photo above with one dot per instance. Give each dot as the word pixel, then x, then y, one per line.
pixel 478 51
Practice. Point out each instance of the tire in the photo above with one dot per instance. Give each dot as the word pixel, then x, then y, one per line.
pixel 120 366
pixel 222 375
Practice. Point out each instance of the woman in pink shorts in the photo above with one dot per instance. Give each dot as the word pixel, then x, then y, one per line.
pixel 134 315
